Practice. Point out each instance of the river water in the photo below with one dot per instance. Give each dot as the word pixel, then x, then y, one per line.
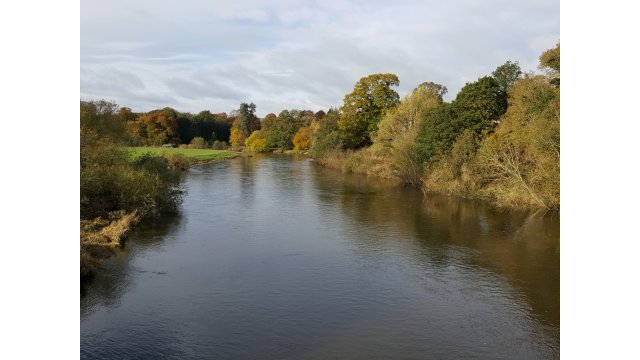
pixel 275 257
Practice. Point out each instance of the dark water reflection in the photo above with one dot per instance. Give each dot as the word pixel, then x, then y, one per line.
pixel 278 258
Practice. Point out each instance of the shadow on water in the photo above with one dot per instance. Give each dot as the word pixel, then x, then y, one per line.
pixel 523 247
pixel 115 278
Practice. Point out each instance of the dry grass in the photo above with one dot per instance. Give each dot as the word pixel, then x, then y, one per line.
pixel 366 161
pixel 99 237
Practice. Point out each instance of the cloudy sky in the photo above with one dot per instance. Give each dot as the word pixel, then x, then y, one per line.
pixel 194 55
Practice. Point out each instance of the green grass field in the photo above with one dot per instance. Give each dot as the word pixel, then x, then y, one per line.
pixel 189 154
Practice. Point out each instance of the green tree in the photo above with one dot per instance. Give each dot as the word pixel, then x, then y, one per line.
pixel 507 74
pixel 477 107
pixel 245 123
pixel 246 120
pixel 280 131
pixel 365 106
pixel 437 132
pixel 326 135
pixel 104 118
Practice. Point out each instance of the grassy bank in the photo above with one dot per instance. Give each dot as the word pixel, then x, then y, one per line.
pixel 191 155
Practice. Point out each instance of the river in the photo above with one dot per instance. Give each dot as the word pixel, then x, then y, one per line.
pixel 275 257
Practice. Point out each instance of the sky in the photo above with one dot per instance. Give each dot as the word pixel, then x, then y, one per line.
pixel 195 55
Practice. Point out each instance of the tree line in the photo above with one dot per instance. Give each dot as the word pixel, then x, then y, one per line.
pixel 498 138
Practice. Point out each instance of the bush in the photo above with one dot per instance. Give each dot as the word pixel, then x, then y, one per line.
pixel 219 145
pixel 178 162
pixel 198 143
pixel 109 181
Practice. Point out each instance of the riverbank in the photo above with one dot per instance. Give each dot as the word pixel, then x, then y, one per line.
pixel 436 179
pixel 101 237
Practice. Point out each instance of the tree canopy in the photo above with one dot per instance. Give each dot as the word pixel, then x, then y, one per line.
pixel 507 74
pixel 365 106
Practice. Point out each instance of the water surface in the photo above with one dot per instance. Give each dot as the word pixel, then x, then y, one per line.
pixel 278 258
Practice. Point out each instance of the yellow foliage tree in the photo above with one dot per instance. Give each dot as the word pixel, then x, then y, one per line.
pixel 257 141
pixel 237 138
pixel 302 139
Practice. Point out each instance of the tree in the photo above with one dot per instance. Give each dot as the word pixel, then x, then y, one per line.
pixel 156 127
pixel 437 132
pixel 326 135
pixel 257 141
pixel 104 118
pixel 280 132
pixel 478 105
pixel 268 121
pixel 550 59
pixel 365 106
pixel 237 137
pixel 409 113
pixel 434 88
pixel 507 74
pixel 246 120
pixel 302 139
pixel 245 123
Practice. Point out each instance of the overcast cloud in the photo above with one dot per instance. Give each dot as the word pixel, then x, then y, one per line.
pixel 194 55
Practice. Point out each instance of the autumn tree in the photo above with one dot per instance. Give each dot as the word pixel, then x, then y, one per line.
pixel 550 61
pixel 268 121
pixel 409 113
pixel 302 139
pixel 365 106
pixel 397 131
pixel 245 123
pixel 237 138
pixel 156 127
pixel 257 141
pixel 436 89
pixel 520 161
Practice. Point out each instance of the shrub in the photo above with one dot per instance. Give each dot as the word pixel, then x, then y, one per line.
pixel 219 145
pixel 178 162
pixel 198 143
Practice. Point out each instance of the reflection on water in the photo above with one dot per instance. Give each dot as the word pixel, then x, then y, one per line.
pixel 276 257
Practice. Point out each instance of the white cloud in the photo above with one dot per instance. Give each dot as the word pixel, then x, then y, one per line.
pixel 197 55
